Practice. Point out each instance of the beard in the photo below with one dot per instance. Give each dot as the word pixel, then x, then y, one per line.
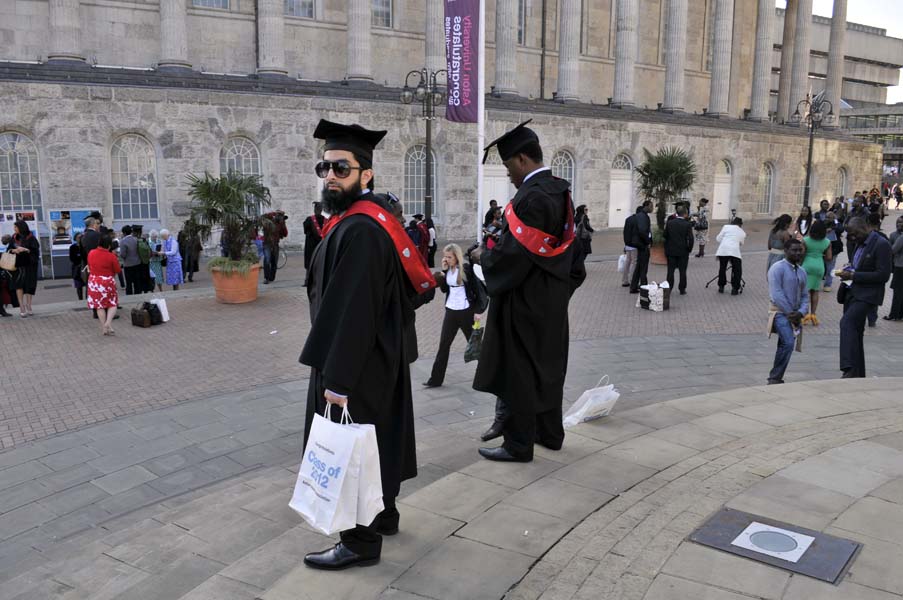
pixel 338 201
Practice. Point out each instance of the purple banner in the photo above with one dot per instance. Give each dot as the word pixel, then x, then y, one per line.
pixel 462 45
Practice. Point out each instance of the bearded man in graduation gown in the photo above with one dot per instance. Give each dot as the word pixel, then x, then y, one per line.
pixel 530 274
pixel 363 284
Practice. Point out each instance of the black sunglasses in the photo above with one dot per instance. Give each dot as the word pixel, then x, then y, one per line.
pixel 341 168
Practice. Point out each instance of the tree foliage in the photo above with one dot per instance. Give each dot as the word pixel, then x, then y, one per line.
pixel 231 201
pixel 664 177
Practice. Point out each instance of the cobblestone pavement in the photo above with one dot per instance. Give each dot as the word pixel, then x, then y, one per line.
pixel 69 376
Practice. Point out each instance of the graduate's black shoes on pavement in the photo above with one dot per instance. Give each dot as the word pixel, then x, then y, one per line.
pixel 386 524
pixel 430 384
pixel 493 432
pixel 502 455
pixel 337 558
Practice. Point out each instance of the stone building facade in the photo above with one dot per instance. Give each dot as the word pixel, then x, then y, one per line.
pixel 211 85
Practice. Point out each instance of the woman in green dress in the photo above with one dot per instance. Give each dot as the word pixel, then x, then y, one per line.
pixel 818 251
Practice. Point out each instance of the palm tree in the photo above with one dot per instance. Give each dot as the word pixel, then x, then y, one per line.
pixel 231 201
pixel 664 177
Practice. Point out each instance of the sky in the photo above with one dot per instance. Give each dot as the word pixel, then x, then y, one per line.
pixel 886 14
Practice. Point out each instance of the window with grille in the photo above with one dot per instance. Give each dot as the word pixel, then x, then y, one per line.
pixel 563 166
pixel 841 189
pixel 766 193
pixel 382 13
pixel 300 8
pixel 622 162
pixel 20 186
pixel 521 22
pixel 134 170
pixel 239 155
pixel 211 3
pixel 415 181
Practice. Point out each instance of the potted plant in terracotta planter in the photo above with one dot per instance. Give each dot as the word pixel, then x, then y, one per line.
pixel 664 177
pixel 232 202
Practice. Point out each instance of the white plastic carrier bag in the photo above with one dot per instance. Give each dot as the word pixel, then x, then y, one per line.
pixel 161 304
pixel 622 263
pixel 592 404
pixel 328 493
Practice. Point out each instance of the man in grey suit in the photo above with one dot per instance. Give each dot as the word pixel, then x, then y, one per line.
pixel 131 262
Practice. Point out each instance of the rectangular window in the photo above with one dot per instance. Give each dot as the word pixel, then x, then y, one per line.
pixel 522 22
pixel 211 3
pixel 300 8
pixel 382 13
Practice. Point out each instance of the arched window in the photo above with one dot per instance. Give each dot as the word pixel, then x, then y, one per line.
pixel 766 191
pixel 841 189
pixel 240 155
pixel 20 187
pixel 134 168
pixel 622 162
pixel 724 167
pixel 415 181
pixel 563 166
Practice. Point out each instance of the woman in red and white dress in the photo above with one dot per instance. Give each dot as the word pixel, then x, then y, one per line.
pixel 103 266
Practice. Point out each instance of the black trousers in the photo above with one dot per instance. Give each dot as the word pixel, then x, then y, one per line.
pixel 736 271
pixel 270 260
pixel 896 306
pixel 133 281
pixel 522 430
pixel 852 329
pixel 364 540
pixel 454 321
pixel 431 256
pixel 680 263
pixel 642 268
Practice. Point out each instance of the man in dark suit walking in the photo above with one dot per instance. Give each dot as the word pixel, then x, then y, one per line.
pixel 868 273
pixel 678 245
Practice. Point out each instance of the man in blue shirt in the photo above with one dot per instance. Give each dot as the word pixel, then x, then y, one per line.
pixel 787 288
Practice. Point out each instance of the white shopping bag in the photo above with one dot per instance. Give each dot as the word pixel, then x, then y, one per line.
pixel 592 404
pixel 161 304
pixel 622 263
pixel 370 483
pixel 326 492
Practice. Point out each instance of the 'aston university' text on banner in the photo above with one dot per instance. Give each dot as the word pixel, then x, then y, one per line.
pixel 462 45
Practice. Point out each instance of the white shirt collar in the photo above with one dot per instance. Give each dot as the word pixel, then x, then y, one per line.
pixel 539 170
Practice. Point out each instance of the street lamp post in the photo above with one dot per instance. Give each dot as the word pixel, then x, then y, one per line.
pixel 815 110
pixel 429 95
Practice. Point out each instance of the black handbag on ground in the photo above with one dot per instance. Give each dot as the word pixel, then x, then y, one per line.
pixel 156 317
pixel 141 317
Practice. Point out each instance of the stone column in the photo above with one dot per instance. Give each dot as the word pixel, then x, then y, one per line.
pixel 270 34
pixel 799 81
pixel 719 91
pixel 569 51
pixel 761 90
pixel 628 13
pixel 435 35
pixel 359 23
pixel 787 43
pixel 506 47
pixel 173 36
pixel 836 50
pixel 675 55
pixel 65 24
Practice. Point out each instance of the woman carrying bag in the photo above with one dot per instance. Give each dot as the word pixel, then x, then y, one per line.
pixel 28 257
pixel 465 299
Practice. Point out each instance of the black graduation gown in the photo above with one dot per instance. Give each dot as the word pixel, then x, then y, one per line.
pixel 524 355
pixel 362 318
pixel 311 237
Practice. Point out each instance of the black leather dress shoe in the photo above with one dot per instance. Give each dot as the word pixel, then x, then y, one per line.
pixel 502 455
pixel 494 431
pixel 430 384
pixel 337 558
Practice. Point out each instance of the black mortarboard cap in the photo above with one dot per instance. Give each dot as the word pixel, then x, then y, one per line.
pixel 352 138
pixel 513 141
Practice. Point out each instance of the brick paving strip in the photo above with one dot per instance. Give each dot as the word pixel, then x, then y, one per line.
pixel 606 517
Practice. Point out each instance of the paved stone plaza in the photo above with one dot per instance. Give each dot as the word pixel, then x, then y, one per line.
pixel 171 480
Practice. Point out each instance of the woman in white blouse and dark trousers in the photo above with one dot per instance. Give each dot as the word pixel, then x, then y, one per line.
pixel 457 280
